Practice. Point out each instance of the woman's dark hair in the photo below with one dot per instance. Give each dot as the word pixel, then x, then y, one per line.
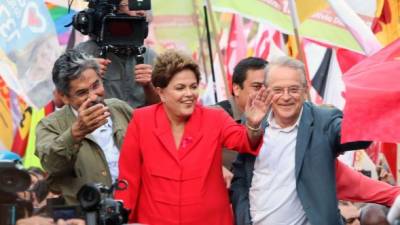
pixel 170 63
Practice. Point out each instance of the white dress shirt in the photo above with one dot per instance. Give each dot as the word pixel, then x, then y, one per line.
pixel 273 196
pixel 103 137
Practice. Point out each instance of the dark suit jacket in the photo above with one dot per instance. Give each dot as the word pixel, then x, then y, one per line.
pixel 318 144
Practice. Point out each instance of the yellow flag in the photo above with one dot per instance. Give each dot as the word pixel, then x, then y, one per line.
pixel 387 28
pixel 307 8
pixel 6 122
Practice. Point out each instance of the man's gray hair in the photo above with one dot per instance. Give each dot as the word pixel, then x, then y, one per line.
pixel 288 62
pixel 69 66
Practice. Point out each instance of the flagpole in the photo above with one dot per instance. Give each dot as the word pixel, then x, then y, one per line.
pixel 210 54
pixel 201 44
pixel 218 49
pixel 295 22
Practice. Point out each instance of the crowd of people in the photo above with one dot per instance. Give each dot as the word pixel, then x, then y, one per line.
pixel 142 123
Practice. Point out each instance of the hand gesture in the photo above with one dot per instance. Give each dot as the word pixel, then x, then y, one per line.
pixel 90 117
pixel 143 74
pixel 103 64
pixel 257 107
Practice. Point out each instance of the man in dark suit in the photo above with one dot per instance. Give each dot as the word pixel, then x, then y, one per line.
pixel 248 77
pixel 292 181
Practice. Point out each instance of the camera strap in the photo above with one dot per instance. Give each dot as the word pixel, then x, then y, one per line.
pixel 123 51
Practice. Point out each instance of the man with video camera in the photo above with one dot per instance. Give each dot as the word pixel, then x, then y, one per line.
pixel 80 142
pixel 120 42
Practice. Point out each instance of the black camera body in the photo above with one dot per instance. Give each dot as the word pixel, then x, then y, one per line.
pixel 110 28
pixel 99 206
pixel 13 179
pixel 58 209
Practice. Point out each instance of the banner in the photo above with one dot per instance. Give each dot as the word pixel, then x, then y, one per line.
pixel 323 26
pixel 172 28
pixel 29 44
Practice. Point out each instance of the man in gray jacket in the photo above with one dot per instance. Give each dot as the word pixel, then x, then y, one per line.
pixel 80 142
pixel 292 180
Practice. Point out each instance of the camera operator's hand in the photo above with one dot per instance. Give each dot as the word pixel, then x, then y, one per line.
pixel 35 220
pixel 143 74
pixel 71 222
pixel 103 63
pixel 90 117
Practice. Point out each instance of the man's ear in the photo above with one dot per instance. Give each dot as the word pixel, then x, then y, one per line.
pixel 236 90
pixel 64 97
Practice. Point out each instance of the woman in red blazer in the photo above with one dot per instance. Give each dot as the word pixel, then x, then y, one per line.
pixel 171 156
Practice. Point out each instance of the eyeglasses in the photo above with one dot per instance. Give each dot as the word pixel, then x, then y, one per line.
pixel 292 90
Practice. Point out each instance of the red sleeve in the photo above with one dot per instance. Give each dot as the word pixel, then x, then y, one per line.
pixel 234 136
pixel 130 166
pixel 354 186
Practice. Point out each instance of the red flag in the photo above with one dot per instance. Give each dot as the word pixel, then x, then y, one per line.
pixel 372 95
pixel 389 150
pixel 237 46
pixel 373 151
pixel 348 59
pixel 21 137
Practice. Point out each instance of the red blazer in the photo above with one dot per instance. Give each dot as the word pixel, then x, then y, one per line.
pixel 179 186
pixel 354 186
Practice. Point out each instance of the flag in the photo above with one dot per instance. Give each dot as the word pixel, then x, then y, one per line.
pixel 389 150
pixel 306 8
pixel 386 25
pixel 267 43
pixel 174 28
pixel 348 59
pixel 324 26
pixel 373 151
pixel 325 74
pixel 372 98
pixel 320 77
pixel 363 163
pixel 357 27
pixel 22 135
pixel 209 88
pixel 31 47
pixel 6 122
pixel 236 48
pixel 30 159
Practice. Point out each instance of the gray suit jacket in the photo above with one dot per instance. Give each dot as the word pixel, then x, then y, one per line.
pixel 318 144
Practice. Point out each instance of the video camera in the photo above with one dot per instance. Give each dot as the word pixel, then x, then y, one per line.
pixel 112 29
pixel 100 208
pixel 13 179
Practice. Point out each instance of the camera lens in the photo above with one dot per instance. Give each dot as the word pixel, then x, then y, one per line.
pixel 13 180
pixel 89 197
